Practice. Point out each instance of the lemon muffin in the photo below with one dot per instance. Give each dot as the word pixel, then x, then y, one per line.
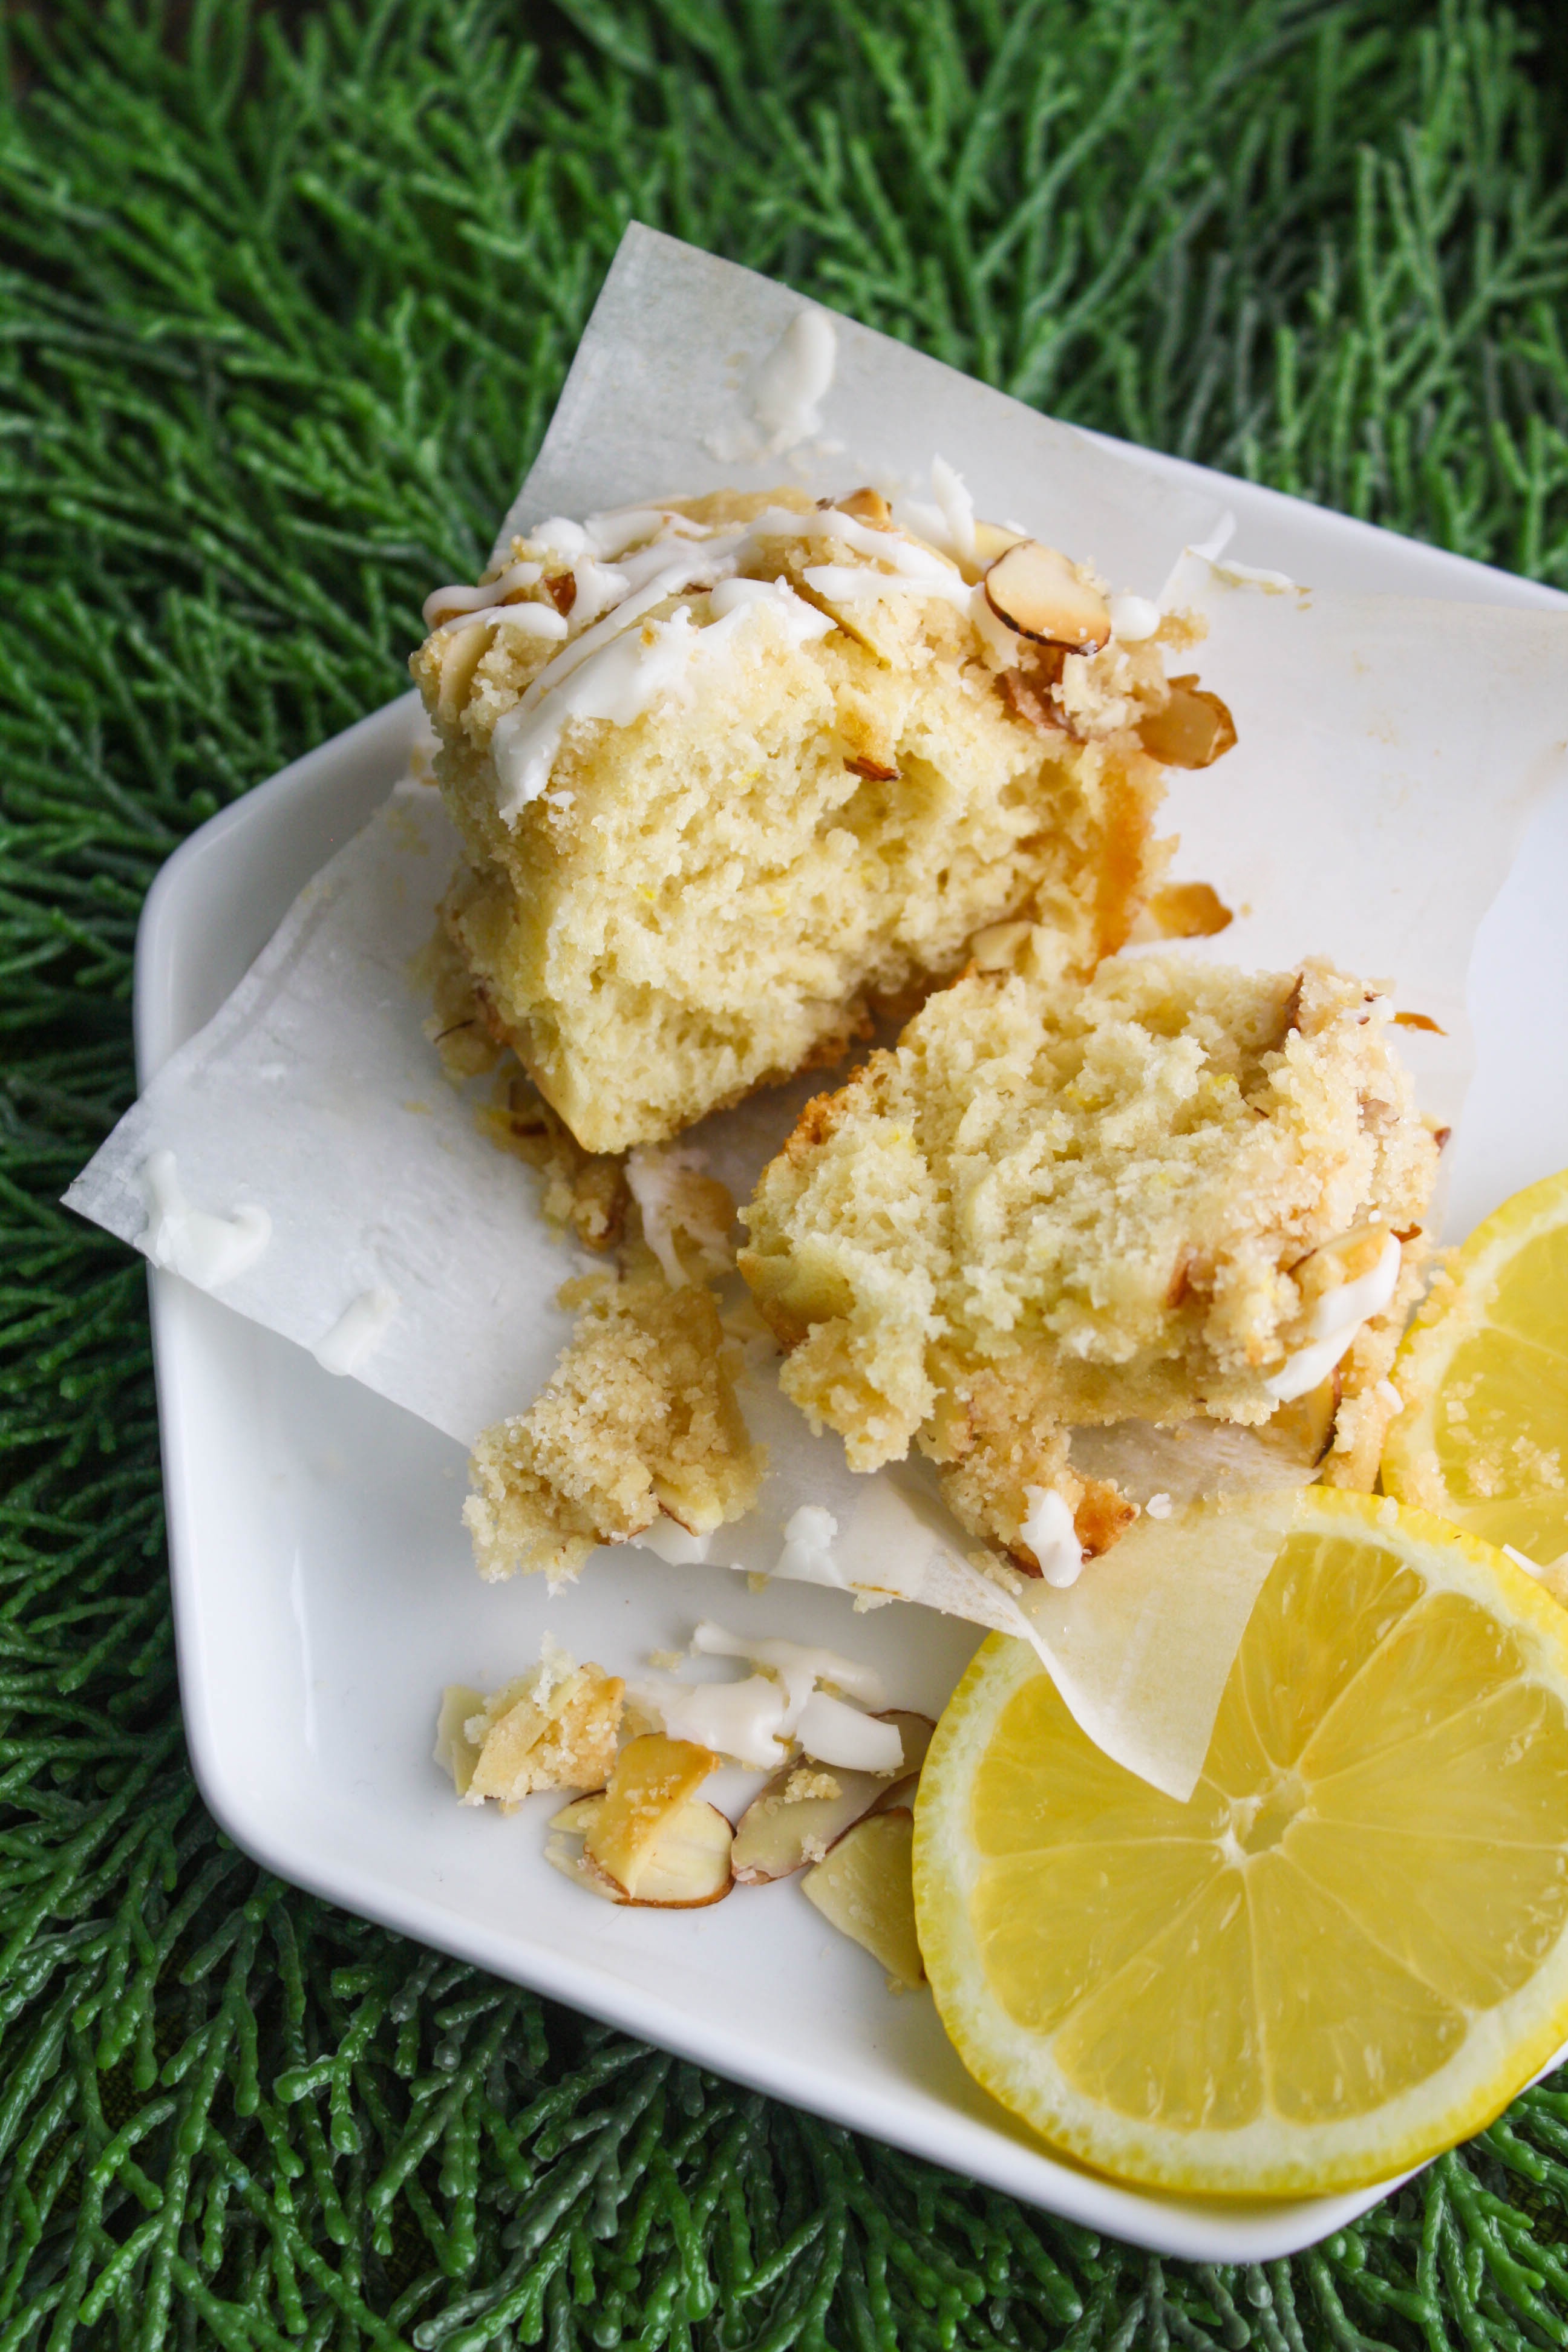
pixel 1175 1191
pixel 736 775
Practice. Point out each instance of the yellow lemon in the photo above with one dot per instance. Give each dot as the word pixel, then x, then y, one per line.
pixel 1348 1951
pixel 1483 1437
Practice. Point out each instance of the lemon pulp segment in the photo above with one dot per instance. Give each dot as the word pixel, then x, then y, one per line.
pixel 1483 1437
pixel 1347 1950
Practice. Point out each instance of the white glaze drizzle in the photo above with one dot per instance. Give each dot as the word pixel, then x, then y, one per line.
pixel 1050 1533
pixel 788 387
pixel 852 583
pixel 957 506
pixel 1133 619
pixel 541 621
pixel 626 678
pixel 743 1719
pixel 208 1251
pixel 807 1555
pixel 626 674
pixel 1334 1322
pixel 833 1733
pixel 444 604
pixel 755 1720
pixel 358 1331
pixel 653 1174
pixel 857 1682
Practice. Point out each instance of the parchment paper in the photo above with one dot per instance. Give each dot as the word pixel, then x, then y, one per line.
pixel 1390 751
pixel 663 379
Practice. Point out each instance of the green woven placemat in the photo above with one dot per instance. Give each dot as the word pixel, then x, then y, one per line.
pixel 285 297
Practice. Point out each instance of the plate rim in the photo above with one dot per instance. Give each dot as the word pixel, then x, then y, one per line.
pixel 355 768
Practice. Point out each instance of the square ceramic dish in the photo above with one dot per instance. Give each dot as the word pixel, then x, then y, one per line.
pixel 323 1591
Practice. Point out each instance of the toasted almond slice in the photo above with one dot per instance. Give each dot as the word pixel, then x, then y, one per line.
pixel 1197 1457
pixel 781 1832
pixel 1194 730
pixel 1349 1257
pixel 902 1793
pixel 687 1868
pixel 464 651
pixel 868 506
pixel 454 1749
pixel 790 1822
pixel 564 1854
pixel 992 539
pixel 653 1779
pixel 1036 591
pixel 997 948
pixel 865 1888
pixel 916 1731
pixel 579 1816
pixel 689 1865
pixel 1303 1430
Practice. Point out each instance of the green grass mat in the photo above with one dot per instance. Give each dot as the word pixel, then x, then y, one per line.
pixel 285 298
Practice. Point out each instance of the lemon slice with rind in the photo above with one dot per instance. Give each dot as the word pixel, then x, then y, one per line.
pixel 1347 1951
pixel 1483 1436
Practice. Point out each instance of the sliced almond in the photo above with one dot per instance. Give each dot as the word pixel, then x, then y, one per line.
pixel 1035 590
pixel 1197 1457
pixel 997 948
pixel 865 1888
pixel 653 1779
pixel 992 541
pixel 1194 730
pixel 875 772
pixel 686 1867
pixel 1026 701
pixel 779 1834
pixel 579 1816
pixel 1189 910
pixel 916 1731
pixel 783 1828
pixel 868 506
pixel 564 1854
pixel 690 1864
pixel 1347 1259
pixel 1419 1020
pixel 901 1793
pixel 454 1749
pixel 464 651
pixel 1303 1430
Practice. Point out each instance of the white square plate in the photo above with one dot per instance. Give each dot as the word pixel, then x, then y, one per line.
pixel 323 1591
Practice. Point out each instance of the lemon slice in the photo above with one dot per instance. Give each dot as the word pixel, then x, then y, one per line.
pixel 1347 1951
pixel 1483 1438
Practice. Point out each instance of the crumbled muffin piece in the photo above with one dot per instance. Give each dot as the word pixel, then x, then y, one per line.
pixel 638 1417
pixel 458 1023
pixel 555 1727
pixel 1056 1205
pixel 581 1192
pixel 765 807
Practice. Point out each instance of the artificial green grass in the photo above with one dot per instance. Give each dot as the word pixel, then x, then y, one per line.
pixel 285 298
